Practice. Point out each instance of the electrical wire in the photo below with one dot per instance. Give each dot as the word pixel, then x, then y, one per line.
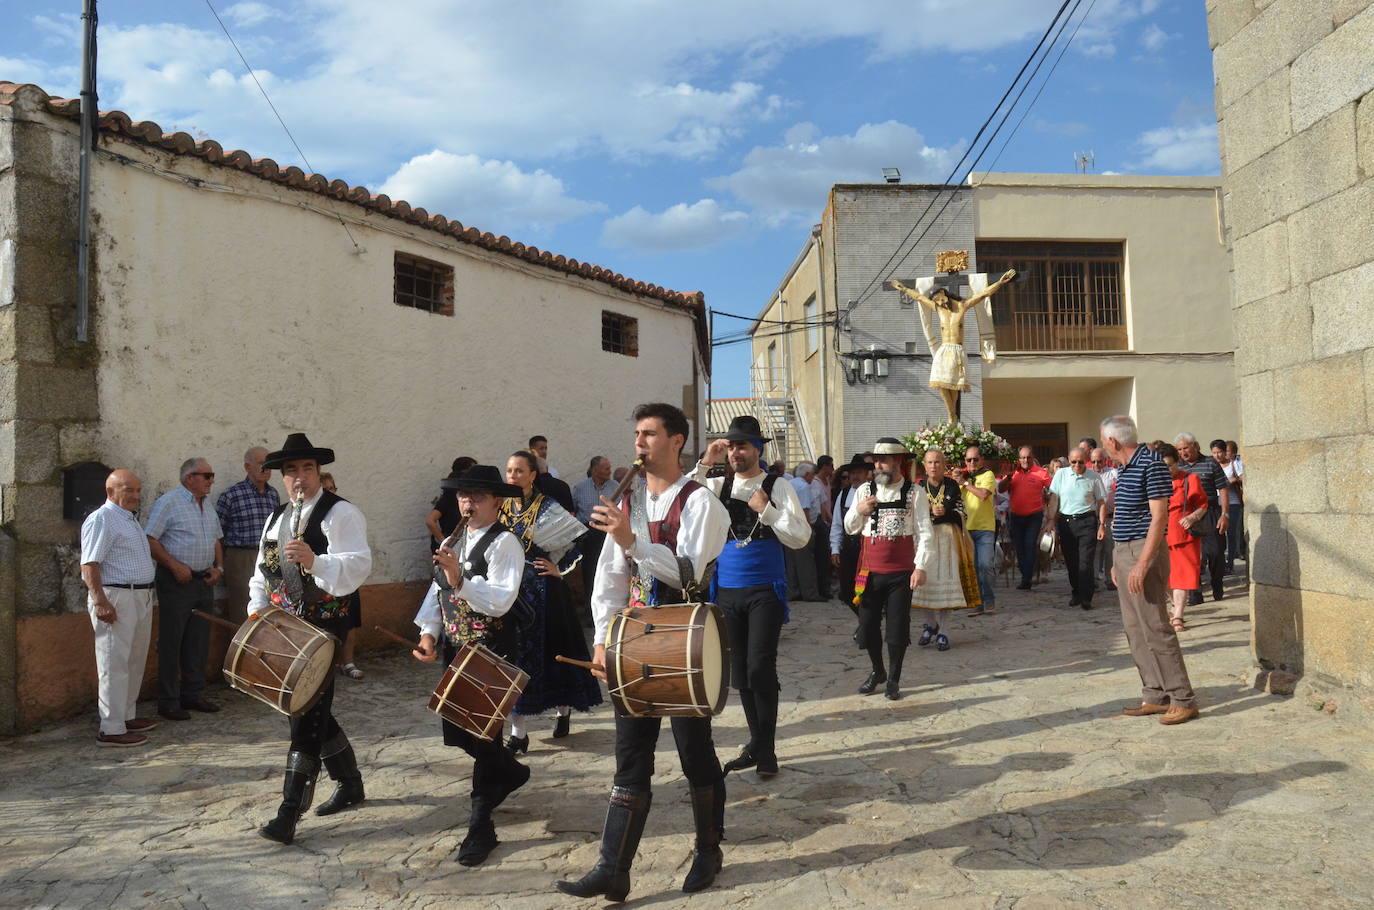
pixel 286 129
pixel 876 281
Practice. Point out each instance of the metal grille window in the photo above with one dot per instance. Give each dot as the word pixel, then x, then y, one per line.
pixel 619 334
pixel 1069 300
pixel 423 285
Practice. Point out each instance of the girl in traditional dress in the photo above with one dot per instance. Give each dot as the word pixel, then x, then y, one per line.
pixel 951 577
pixel 549 535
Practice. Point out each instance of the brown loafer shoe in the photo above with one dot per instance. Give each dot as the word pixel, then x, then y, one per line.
pixel 120 739
pixel 1177 714
pixel 140 724
pixel 1143 709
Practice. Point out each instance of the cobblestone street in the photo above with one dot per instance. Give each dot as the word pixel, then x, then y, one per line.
pixel 1005 778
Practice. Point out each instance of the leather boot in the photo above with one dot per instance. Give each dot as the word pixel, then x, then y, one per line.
pixel 298 791
pixel 708 811
pixel 625 818
pixel 481 836
pixel 342 766
pixel 894 676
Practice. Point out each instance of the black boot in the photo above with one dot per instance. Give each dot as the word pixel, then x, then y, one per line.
pixel 625 818
pixel 481 836
pixel 894 677
pixel 342 766
pixel 298 791
pixel 746 758
pixel 875 678
pixel 708 811
pixel 764 730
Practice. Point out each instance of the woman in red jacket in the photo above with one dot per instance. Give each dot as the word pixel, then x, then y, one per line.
pixel 1187 506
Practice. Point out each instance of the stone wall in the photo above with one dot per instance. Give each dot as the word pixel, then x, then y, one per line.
pixel 1295 102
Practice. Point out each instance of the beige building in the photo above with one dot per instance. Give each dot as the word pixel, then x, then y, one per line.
pixel 1122 308
pixel 1295 101
pixel 234 301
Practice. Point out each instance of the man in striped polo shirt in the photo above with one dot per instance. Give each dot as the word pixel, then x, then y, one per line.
pixel 1141 572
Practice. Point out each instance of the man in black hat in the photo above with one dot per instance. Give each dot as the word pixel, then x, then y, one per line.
pixel 312 559
pixel 844 547
pixel 750 585
pixel 480 582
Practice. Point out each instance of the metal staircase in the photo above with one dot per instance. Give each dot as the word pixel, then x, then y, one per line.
pixel 779 416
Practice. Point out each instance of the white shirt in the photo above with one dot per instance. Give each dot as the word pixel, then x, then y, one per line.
pixel 842 503
pixel 491 594
pixel 820 496
pixel 783 513
pixel 805 495
pixel 701 537
pixel 342 570
pixel 855 522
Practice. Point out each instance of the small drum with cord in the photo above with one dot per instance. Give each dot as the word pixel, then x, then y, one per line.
pixel 668 661
pixel 478 690
pixel 281 660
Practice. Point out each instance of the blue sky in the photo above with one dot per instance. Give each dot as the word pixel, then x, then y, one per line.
pixel 689 145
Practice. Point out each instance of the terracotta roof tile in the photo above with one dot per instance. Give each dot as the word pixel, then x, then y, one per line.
pixel 119 124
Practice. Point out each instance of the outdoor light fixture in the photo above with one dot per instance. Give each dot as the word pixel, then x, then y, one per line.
pixel 892 175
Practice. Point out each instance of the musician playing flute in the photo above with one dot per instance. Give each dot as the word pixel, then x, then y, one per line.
pixel 662 542
pixel 482 570
pixel 312 559
pixel 750 584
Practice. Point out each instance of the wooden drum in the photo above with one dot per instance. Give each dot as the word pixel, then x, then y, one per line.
pixel 281 660
pixel 669 661
pixel 477 691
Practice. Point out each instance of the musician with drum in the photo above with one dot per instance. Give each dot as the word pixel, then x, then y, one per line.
pixel 312 559
pixel 750 585
pixel 482 565
pixel 662 542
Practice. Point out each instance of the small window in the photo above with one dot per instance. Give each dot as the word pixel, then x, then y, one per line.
pixel 813 328
pixel 424 285
pixel 619 334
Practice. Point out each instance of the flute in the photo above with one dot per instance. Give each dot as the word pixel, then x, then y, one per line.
pixel 440 577
pixel 636 468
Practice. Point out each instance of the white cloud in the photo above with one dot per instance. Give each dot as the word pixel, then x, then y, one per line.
pixel 680 227
pixel 250 13
pixel 789 181
pixel 1100 49
pixel 1154 38
pixel 495 196
pixel 1191 149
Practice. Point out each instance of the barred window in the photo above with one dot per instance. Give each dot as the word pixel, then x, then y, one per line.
pixel 1069 299
pixel 423 285
pixel 619 334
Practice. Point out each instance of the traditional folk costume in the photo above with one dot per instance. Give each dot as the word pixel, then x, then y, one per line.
pixel 546 530
pixel 336 532
pixel 896 542
pixel 493 562
pixel 951 575
pixel 679 534
pixel 750 587
pixel 842 543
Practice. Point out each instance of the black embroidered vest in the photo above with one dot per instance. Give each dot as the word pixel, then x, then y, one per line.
pixel 744 521
pixel 463 624
pixel 319 606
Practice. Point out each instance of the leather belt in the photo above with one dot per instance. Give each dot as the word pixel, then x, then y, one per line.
pixel 130 586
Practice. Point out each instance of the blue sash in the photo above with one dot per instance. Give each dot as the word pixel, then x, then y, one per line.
pixel 760 563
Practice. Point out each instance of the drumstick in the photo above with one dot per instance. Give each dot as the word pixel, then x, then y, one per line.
pixel 584 664
pixel 394 637
pixel 217 620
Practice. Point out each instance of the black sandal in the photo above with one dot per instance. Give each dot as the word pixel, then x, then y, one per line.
pixel 927 634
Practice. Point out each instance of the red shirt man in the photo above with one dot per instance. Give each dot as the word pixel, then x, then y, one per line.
pixel 1026 485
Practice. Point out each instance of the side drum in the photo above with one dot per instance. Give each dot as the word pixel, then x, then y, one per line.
pixel 281 660
pixel 668 661
pixel 478 690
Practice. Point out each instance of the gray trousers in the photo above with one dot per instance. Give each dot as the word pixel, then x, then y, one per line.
pixel 801 574
pixel 1145 616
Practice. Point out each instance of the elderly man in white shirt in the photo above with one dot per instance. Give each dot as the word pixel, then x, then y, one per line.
pixel 118 569
pixel 750 588
pixel 801 563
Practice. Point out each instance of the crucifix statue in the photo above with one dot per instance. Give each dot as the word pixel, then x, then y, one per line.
pixel 947 366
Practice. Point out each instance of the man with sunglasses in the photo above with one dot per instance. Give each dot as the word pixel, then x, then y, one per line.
pixel 979 485
pixel 187 544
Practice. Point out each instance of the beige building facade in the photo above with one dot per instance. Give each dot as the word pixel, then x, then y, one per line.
pixel 1123 307
pixel 1295 104
pixel 235 301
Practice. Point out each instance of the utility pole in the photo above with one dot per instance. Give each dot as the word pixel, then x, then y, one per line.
pixel 89 103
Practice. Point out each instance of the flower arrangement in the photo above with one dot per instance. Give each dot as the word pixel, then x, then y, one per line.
pixel 954 439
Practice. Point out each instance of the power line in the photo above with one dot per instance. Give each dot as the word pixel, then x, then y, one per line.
pixel 286 129
pixel 877 278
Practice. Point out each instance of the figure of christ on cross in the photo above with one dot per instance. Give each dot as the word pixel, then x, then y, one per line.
pixel 947 366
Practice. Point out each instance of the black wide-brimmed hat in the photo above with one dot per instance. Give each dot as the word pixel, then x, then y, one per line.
pixel 745 428
pixel 483 477
pixel 888 445
pixel 858 462
pixel 297 447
